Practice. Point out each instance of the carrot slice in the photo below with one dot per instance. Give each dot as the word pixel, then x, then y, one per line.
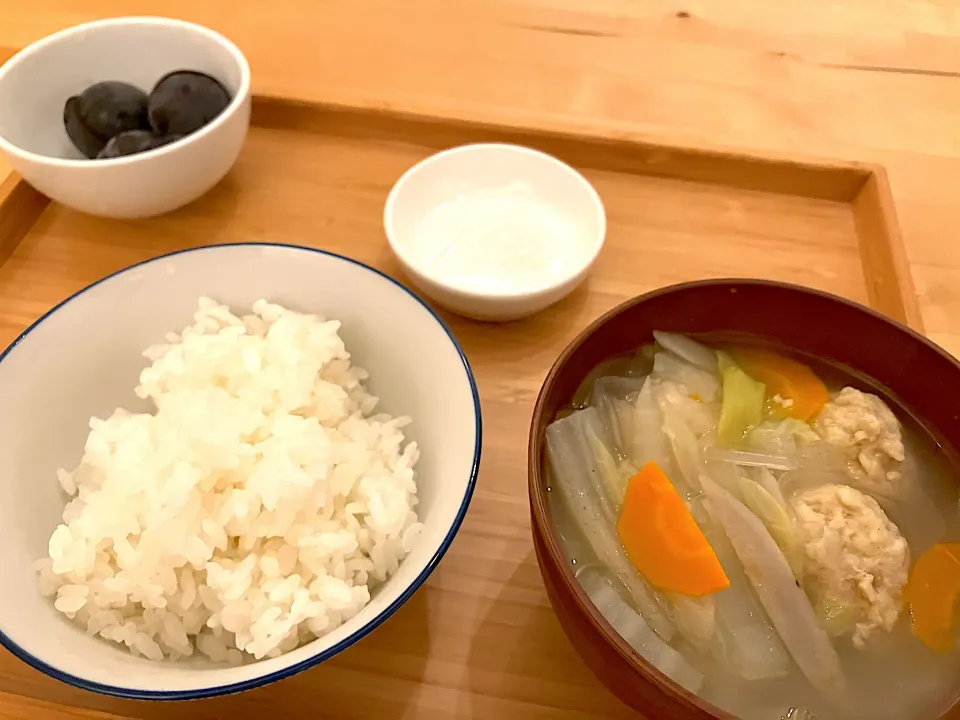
pixel 662 539
pixel 803 392
pixel 932 593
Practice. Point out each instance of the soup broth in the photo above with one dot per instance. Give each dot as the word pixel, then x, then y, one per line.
pixel 746 663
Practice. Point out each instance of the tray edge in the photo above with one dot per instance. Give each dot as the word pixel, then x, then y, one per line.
pixel 883 254
pixel 20 207
pixel 782 173
pixel 886 269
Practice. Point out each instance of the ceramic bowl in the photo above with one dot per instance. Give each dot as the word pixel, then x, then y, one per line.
pixel 490 282
pixel 917 374
pixel 36 82
pixel 83 359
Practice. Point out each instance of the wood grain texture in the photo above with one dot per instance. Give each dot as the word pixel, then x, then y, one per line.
pixel 882 252
pixel 20 208
pixel 792 174
pixel 865 79
pixel 643 171
pixel 17 707
pixel 871 80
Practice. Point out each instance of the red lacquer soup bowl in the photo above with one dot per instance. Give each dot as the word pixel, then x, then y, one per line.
pixel 914 375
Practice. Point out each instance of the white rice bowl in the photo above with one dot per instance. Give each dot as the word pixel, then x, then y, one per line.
pixel 248 564
pixel 252 511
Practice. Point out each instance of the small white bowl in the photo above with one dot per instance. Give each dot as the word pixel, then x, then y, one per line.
pixel 83 359
pixel 540 227
pixel 36 82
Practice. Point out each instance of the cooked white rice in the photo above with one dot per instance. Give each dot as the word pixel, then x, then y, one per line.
pixel 253 511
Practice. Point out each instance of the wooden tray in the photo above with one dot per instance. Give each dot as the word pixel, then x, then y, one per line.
pixel 480 639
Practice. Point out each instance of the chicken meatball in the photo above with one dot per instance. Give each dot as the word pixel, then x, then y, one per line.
pixel 856 561
pixel 867 433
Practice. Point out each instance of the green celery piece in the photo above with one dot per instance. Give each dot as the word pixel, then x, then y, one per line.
pixel 743 400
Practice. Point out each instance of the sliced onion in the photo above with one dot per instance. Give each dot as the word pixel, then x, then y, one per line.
pixel 648 443
pixel 635 631
pixel 579 487
pixel 612 395
pixel 746 642
pixel 785 602
pixel 769 483
pixel 689 349
pixel 686 450
pixel 697 381
pixel 695 619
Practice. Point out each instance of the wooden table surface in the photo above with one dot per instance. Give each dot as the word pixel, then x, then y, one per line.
pixel 875 80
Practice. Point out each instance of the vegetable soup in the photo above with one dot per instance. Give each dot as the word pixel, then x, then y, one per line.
pixel 764 530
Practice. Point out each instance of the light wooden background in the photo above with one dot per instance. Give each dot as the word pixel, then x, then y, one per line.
pixel 875 80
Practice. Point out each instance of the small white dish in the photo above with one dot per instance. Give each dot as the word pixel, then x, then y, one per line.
pixel 493 231
pixel 36 82
pixel 83 358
